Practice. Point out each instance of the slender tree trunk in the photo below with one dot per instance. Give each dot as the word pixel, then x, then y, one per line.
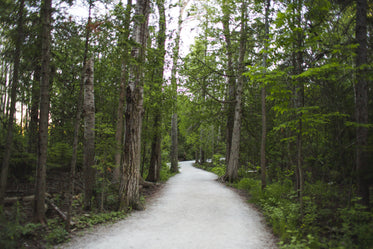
pixel 34 112
pixel 263 97
pixel 155 156
pixel 4 73
pixel 9 137
pixel 361 99
pixel 77 123
pixel 40 188
pixel 130 176
pixel 89 136
pixel 231 89
pixel 233 163
pixel 299 100
pixel 122 94
pixel 176 50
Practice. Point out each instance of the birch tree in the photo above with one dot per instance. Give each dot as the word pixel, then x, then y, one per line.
pixel 89 135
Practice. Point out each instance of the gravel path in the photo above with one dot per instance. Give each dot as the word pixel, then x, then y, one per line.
pixel 193 211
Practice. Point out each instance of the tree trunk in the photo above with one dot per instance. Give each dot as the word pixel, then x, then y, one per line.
pixel 77 123
pixel 155 157
pixel 263 97
pixel 122 94
pixel 174 141
pixel 130 175
pixel 361 102
pixel 233 162
pixel 9 137
pixel 299 99
pixel 34 112
pixel 89 136
pixel 231 89
pixel 40 188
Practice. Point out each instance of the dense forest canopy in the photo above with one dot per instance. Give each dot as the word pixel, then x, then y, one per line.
pixel 277 94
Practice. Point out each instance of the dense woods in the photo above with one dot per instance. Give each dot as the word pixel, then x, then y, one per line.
pixel 275 97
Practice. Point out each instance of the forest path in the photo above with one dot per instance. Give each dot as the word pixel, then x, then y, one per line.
pixel 193 211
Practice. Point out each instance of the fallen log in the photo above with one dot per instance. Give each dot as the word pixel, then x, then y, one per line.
pixel 13 199
pixel 59 211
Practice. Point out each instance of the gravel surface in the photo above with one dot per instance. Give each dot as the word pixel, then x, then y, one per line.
pixel 193 211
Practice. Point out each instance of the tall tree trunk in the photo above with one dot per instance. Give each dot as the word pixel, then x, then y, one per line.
pixel 174 141
pixel 122 94
pixel 155 157
pixel 233 162
pixel 231 89
pixel 361 99
pixel 263 98
pixel 40 188
pixel 89 135
pixel 130 176
pixel 9 137
pixel 77 122
pixel 34 112
pixel 299 98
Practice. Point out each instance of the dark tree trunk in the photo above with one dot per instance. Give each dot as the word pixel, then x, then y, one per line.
pixel 361 105
pixel 9 137
pixel 40 188
pixel 263 97
pixel 155 156
pixel 231 89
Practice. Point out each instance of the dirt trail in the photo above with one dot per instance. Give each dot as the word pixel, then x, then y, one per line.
pixel 193 211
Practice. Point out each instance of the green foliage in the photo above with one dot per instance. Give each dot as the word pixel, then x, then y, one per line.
pixel 12 229
pixel 165 173
pixel 88 220
pixel 356 229
pixel 56 232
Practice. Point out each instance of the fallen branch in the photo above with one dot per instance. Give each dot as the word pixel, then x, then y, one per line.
pixel 59 211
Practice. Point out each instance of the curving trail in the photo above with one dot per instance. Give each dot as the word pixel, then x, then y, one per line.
pixel 193 211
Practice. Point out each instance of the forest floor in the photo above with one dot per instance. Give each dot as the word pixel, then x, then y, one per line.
pixel 191 211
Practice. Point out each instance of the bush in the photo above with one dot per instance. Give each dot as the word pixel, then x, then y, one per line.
pixel 219 170
pixel 165 173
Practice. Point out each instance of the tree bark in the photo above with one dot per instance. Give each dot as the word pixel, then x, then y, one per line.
pixel 9 137
pixel 77 123
pixel 233 162
pixel 263 99
pixel 174 141
pixel 40 188
pixel 89 136
pixel 155 157
pixel 231 89
pixel 361 102
pixel 299 98
pixel 130 175
pixel 122 94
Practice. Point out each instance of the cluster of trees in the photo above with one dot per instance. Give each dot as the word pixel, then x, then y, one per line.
pixel 291 76
pixel 88 96
pixel 281 86
pixel 284 88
